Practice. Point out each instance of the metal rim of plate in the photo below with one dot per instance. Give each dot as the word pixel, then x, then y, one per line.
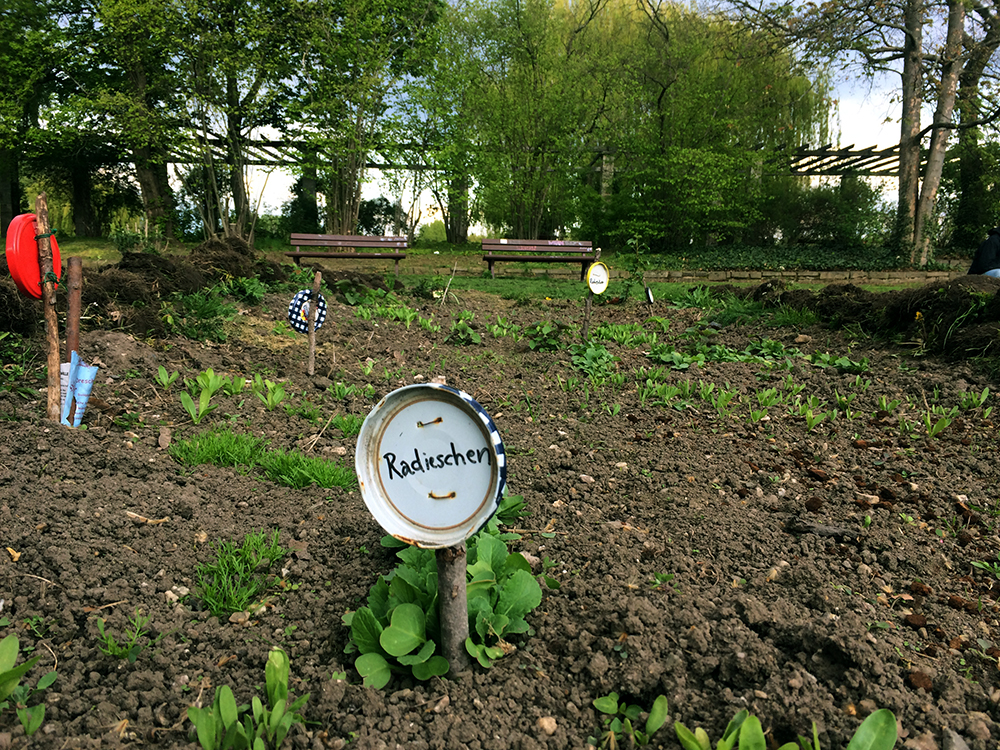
pixel 368 458
pixel 298 311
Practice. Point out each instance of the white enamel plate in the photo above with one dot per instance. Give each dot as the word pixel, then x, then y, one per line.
pixel 431 465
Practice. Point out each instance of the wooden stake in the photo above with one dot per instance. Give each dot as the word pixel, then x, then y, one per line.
pixel 453 606
pixel 313 312
pixel 74 270
pixel 48 304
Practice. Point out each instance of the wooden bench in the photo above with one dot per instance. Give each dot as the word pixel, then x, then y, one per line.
pixel 350 243
pixel 540 251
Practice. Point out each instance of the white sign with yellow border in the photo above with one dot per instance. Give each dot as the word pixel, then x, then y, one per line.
pixel 598 277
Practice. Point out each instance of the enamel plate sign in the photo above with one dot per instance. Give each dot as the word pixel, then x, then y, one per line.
pixel 598 277
pixel 431 465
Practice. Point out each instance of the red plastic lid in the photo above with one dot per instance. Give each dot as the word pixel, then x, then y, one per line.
pixel 22 255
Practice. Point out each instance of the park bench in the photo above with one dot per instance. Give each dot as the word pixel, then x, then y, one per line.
pixel 347 246
pixel 540 251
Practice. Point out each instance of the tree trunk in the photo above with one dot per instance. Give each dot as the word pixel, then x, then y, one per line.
pixel 456 218
pixel 157 195
pixel 909 129
pixel 237 160
pixel 10 189
pixel 974 211
pixel 84 223
pixel 951 67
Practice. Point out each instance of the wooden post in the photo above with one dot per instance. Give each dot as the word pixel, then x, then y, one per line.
pixel 453 607
pixel 74 270
pixel 586 318
pixel 313 312
pixel 48 283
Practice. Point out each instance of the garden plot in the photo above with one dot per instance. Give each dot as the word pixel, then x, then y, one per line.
pixel 789 520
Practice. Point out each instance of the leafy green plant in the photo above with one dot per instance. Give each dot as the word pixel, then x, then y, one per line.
pixel 594 360
pixel 226 725
pixel 234 386
pixel 248 289
pixel 348 424
pixel 272 395
pixel 198 316
pixel 621 719
pixel 166 379
pixel 398 630
pixel 876 732
pixel 130 646
pixel 935 427
pixel 544 336
pixel 13 693
pixel 238 578
pixel 989 567
pixel 198 411
pixel 462 334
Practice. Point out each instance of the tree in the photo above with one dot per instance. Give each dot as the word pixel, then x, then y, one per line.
pixel 235 57
pixel 354 57
pixel 29 53
pixel 890 37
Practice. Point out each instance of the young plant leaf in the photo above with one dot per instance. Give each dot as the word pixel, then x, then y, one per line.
pixel 405 632
pixel 657 715
pixel 374 670
pixel 877 732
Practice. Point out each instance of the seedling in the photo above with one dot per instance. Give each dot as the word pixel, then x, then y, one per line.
pixel 462 334
pixel 12 693
pixel 198 411
pixel 812 420
pixel 348 424
pixel 226 725
pixel 273 395
pixel 935 428
pixel 660 579
pixel 166 379
pixel 130 647
pixel 620 720
pixel 989 567
pixel 543 337
pixel 234 386
pixel 237 580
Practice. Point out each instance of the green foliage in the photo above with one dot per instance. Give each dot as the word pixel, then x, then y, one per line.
pixel 594 360
pixel 13 693
pixel 246 289
pixel 462 334
pixel 238 579
pixel 398 630
pixel 544 336
pixel 877 732
pixel 990 567
pixel 198 316
pixel 166 379
pixel 269 392
pixel 222 447
pixel 197 411
pixel 348 424
pixel 621 719
pixel 224 725
pixel 131 644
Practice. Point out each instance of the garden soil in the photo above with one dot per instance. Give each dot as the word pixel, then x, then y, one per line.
pixel 806 573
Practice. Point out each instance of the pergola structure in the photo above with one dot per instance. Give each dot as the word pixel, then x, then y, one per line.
pixel 804 161
pixel 829 161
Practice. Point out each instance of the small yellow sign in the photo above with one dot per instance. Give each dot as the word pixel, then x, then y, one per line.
pixel 598 277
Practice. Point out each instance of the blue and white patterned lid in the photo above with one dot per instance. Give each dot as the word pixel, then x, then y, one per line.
pixel 298 311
